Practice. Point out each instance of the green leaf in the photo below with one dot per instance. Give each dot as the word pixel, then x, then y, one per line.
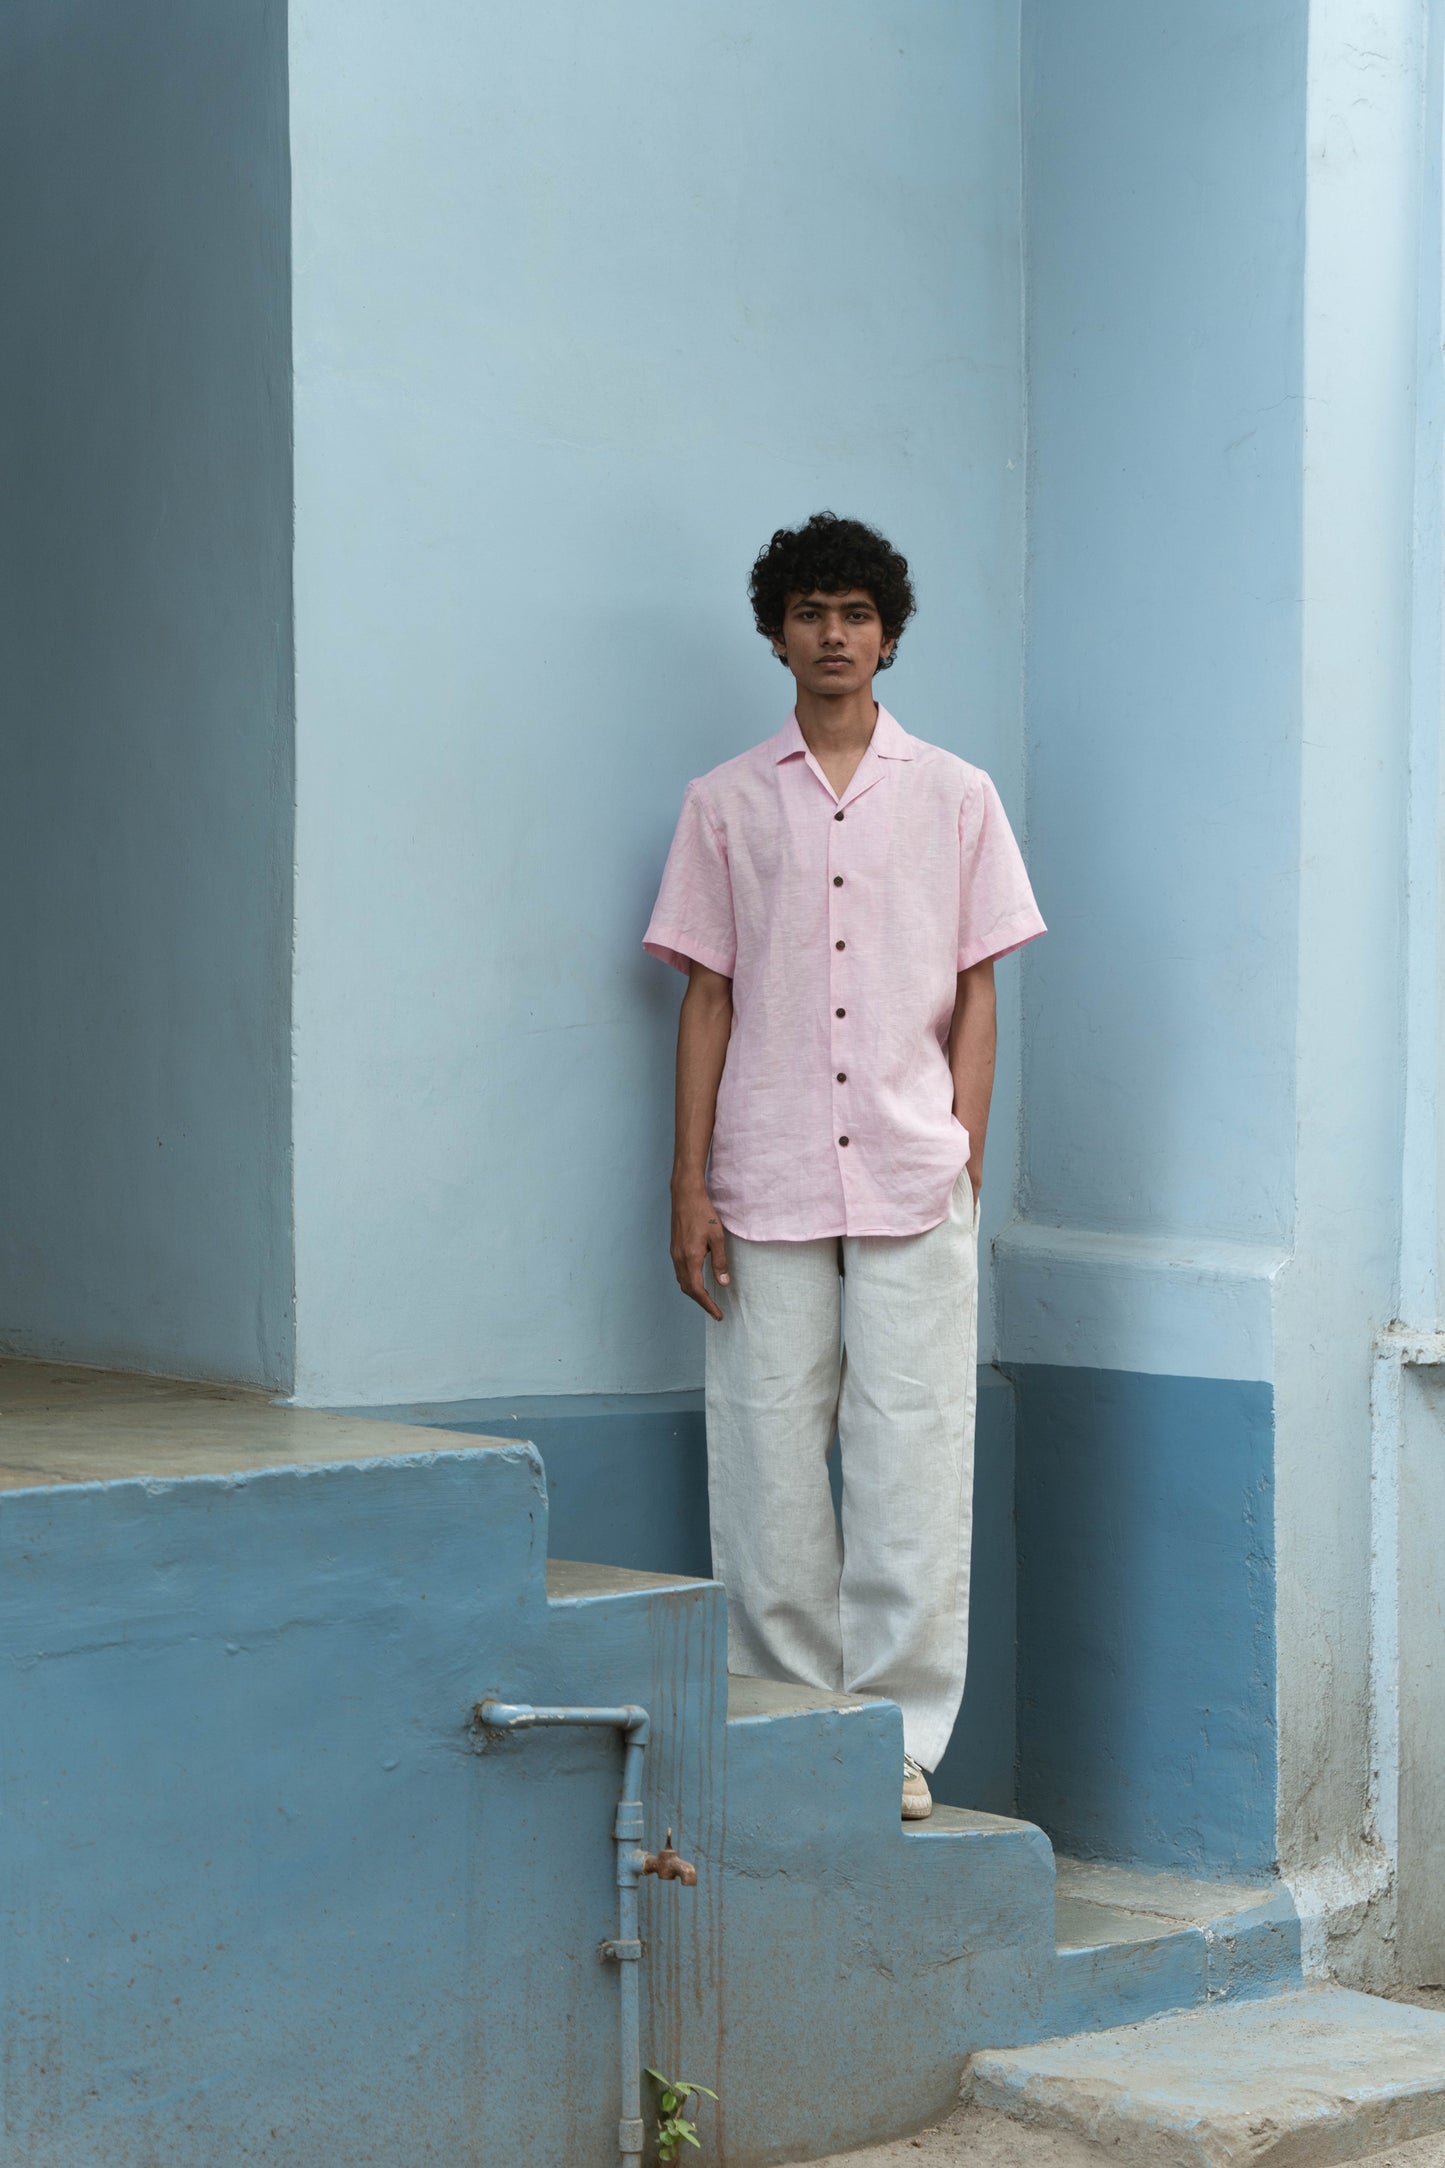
pixel 670 2102
pixel 691 2138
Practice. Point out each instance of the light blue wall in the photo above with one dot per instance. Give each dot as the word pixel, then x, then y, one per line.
pixel 1164 238
pixel 145 817
pixel 589 300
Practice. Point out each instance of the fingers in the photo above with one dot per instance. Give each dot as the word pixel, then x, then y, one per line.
pixel 717 1250
pixel 701 1295
pixel 689 1271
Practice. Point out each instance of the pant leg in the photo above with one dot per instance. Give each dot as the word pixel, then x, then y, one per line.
pixel 772 1403
pixel 905 1426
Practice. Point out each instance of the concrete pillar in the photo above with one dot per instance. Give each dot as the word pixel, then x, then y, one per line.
pixel 1233 723
pixel 1164 180
pixel 1341 1286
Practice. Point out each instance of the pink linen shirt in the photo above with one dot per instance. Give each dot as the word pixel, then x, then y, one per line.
pixel 843 924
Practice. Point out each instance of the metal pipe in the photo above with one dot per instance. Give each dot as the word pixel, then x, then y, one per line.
pixel 521 1716
pixel 632 1864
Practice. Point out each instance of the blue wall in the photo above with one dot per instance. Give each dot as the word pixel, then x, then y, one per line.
pixel 626 1473
pixel 587 302
pixel 261 1899
pixel 265 1894
pixel 145 819
pixel 1146 1617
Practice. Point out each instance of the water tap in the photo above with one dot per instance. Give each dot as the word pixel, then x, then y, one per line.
pixel 668 1867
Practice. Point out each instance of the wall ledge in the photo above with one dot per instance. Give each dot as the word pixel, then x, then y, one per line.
pixel 1164 1306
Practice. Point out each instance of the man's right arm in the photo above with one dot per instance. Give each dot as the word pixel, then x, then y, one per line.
pixel 703 1030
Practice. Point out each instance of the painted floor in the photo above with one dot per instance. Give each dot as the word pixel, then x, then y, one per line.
pixel 980 2138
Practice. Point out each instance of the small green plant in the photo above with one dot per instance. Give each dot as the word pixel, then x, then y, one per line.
pixel 676 2116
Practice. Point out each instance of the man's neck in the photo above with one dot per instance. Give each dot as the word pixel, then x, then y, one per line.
pixel 836 732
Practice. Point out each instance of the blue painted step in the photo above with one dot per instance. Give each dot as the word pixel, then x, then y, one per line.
pixel 825 1932
pixel 279 1899
pixel 881 1952
pixel 1134 1944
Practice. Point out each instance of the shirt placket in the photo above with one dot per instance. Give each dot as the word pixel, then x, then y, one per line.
pixel 840 984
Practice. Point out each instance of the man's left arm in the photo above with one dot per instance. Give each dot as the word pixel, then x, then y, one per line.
pixel 972 1045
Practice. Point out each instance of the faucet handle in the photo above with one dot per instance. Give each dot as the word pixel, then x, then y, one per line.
pixel 668 1867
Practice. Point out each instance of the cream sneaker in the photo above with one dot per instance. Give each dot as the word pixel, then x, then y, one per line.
pixel 917 1798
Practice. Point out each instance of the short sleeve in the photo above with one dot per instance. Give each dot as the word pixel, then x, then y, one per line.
pixel 996 908
pixel 692 920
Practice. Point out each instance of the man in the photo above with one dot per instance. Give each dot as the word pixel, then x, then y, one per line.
pixel 837 898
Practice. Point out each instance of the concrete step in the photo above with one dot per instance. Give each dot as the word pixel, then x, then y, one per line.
pixel 61 1425
pixel 671 1626
pixel 839 1757
pixel 880 1951
pixel 1132 1944
pixel 750 1700
pixel 820 1766
pixel 667 1632
pixel 571 1580
pixel 1304 2079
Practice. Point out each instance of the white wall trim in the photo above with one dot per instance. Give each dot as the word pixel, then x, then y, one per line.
pixel 1166 1306
pixel 1404 1526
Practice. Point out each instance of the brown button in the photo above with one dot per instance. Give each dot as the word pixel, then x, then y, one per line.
pixel 837 816
pixel 842 1140
pixel 842 1076
pixel 837 880
pixel 840 944
pixel 840 1012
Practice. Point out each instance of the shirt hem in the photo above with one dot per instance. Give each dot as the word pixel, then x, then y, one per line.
pixel 832 1234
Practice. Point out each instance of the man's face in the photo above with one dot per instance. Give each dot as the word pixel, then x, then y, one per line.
pixel 832 643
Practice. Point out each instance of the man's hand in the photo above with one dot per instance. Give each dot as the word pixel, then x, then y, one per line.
pixel 971 1043
pixel 703 1029
pixel 697 1235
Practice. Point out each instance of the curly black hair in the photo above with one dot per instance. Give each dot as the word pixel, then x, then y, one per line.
pixel 827 557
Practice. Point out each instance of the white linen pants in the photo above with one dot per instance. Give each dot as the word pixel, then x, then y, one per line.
pixel 886 1610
